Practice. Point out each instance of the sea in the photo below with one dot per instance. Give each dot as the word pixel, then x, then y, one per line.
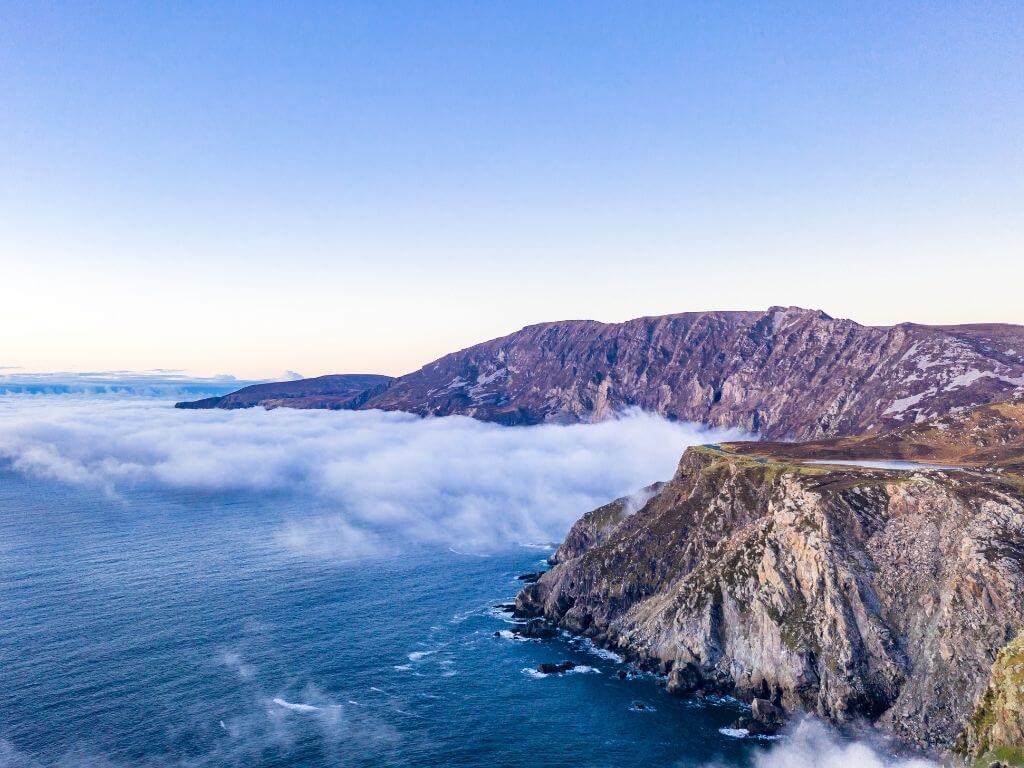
pixel 170 624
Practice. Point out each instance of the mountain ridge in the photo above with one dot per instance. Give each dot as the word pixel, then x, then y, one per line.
pixel 335 391
pixel 783 373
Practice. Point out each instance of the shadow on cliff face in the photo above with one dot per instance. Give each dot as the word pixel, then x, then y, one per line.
pixel 811 744
pixel 373 480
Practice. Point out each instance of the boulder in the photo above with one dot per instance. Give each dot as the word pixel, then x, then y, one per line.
pixel 536 628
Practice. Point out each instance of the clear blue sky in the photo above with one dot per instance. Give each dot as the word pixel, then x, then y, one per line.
pixel 251 187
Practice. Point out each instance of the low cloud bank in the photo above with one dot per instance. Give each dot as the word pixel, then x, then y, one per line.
pixel 812 745
pixel 163 383
pixel 376 477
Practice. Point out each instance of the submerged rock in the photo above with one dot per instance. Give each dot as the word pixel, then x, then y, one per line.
pixel 549 668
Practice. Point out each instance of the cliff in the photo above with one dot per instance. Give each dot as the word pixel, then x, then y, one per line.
pixel 597 525
pixel 784 373
pixel 853 593
pixel 996 730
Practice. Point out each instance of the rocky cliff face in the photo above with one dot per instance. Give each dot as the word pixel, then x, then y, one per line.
pixel 996 731
pixel 597 525
pixel 785 373
pixel 852 593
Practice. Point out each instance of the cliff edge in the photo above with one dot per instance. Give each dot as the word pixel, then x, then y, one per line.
pixel 853 593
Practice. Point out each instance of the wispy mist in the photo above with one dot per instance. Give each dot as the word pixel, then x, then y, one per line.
pixel 378 479
pixel 812 745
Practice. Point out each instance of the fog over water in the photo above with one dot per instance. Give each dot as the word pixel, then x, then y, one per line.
pixel 210 588
pixel 375 478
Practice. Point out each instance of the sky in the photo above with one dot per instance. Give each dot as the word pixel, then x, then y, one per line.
pixel 252 188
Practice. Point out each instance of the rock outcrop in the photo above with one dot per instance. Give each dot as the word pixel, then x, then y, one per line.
pixel 995 733
pixel 598 524
pixel 852 593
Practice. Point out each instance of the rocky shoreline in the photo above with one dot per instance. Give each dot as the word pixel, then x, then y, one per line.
pixel 766 718
pixel 857 595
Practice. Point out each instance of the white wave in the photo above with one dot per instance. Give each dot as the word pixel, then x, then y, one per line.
pixel 586 645
pixel 479 610
pixel 534 673
pixel 504 616
pixel 734 733
pixel 418 655
pixel 295 707
pixel 455 551
pixel 403 667
pixel 582 669
pixel 639 674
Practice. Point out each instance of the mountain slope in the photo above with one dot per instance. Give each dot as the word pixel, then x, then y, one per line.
pixel 784 373
pixel 340 391
pixel 990 435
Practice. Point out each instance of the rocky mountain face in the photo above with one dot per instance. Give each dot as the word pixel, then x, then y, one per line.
pixel 597 525
pixel 784 373
pixel 853 593
pixel 338 392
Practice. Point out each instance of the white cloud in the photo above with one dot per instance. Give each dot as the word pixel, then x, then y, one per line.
pixel 379 479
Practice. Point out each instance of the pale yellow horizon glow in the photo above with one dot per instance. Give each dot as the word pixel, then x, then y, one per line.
pixel 274 319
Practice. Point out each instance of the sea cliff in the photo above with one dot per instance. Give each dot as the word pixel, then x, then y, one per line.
pixel 855 594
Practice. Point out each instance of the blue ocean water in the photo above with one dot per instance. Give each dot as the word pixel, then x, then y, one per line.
pixel 165 628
